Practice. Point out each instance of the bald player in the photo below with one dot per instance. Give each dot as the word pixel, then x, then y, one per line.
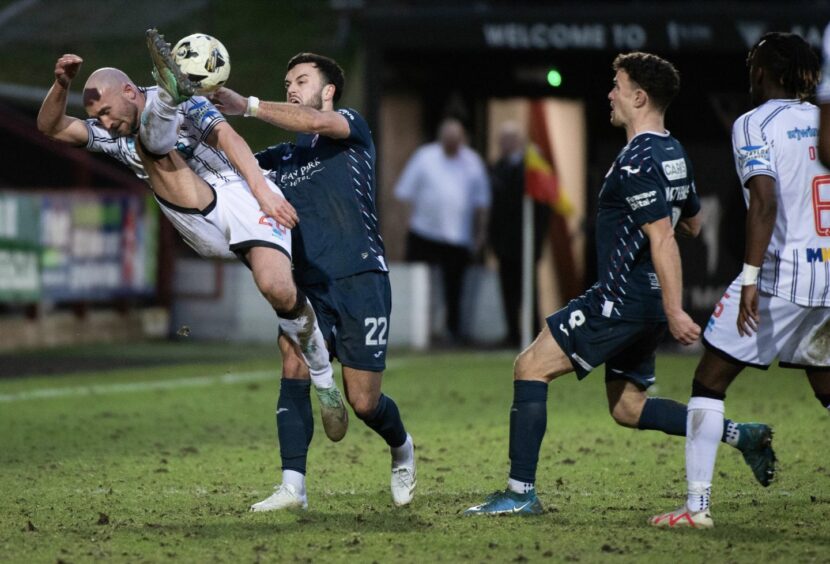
pixel 209 186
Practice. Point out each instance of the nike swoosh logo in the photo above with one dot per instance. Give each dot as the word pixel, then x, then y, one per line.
pixel 517 509
pixel 630 170
pixel 280 410
pixel 288 156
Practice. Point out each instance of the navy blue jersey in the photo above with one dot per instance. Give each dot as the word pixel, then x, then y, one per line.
pixel 650 179
pixel 331 184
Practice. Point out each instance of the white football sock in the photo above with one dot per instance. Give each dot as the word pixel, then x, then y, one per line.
pixel 305 331
pixel 519 486
pixel 403 455
pixel 704 429
pixel 732 434
pixel 160 123
pixel 295 479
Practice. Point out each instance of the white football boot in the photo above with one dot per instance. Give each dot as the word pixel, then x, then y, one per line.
pixel 285 496
pixel 683 518
pixel 403 478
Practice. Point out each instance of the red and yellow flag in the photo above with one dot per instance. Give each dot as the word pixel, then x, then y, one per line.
pixel 542 182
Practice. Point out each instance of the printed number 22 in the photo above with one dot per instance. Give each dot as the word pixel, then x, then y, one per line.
pixel 376 334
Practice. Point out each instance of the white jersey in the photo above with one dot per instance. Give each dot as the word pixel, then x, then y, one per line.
pixel 823 90
pixel 198 117
pixel 778 139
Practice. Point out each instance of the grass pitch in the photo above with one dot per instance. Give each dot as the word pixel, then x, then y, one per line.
pixel 159 461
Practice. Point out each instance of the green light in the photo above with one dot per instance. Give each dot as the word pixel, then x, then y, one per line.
pixel 554 78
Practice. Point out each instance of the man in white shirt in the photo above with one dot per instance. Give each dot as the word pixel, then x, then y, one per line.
pixel 446 184
pixel 779 306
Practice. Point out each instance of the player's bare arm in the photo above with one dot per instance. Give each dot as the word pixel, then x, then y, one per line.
pixel 760 222
pixel 226 139
pixel 666 258
pixel 288 116
pixel 689 226
pixel 52 120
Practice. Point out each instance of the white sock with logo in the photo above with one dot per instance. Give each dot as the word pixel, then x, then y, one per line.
pixel 305 331
pixel 160 122
pixel 519 487
pixel 704 429
pixel 403 455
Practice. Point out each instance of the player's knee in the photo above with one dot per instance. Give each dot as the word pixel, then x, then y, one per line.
pixel 294 368
pixel 282 297
pixel 364 406
pixel 524 368
pixel 625 413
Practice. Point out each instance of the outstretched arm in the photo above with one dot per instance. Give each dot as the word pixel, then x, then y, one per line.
pixel 291 117
pixel 666 258
pixel 52 120
pixel 226 139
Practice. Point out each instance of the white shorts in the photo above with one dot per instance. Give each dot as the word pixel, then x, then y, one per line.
pixel 231 225
pixel 798 335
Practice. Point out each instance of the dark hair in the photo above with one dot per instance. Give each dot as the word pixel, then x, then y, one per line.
pixel 789 59
pixel 656 76
pixel 331 71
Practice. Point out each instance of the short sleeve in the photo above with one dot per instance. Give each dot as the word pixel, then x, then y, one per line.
pixel 99 139
pixel 753 153
pixel 202 115
pixel 270 158
pixel 359 133
pixel 644 195
pixel 410 179
pixel 482 194
pixel 692 205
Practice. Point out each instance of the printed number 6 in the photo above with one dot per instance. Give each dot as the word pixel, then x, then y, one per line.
pixel 376 334
pixel 577 318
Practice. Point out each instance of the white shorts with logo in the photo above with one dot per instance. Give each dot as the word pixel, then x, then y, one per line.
pixel 231 225
pixel 798 335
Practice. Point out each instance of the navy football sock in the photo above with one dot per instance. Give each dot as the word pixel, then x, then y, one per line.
pixel 386 422
pixel 669 416
pixel 295 424
pixel 528 421
pixel 662 414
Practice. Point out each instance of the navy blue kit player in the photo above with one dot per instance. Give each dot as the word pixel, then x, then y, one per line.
pixel 647 195
pixel 328 175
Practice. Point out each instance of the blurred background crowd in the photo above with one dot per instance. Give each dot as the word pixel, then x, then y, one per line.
pixel 474 106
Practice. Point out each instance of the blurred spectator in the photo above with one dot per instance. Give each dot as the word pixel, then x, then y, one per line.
pixel 505 230
pixel 447 187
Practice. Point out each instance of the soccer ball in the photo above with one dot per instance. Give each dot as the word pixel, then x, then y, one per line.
pixel 204 60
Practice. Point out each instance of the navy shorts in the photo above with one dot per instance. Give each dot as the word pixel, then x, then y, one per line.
pixel 626 347
pixel 353 314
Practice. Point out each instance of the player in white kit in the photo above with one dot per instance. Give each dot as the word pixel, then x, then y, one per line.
pixel 780 304
pixel 206 181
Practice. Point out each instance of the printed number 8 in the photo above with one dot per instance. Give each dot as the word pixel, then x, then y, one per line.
pixel 577 318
